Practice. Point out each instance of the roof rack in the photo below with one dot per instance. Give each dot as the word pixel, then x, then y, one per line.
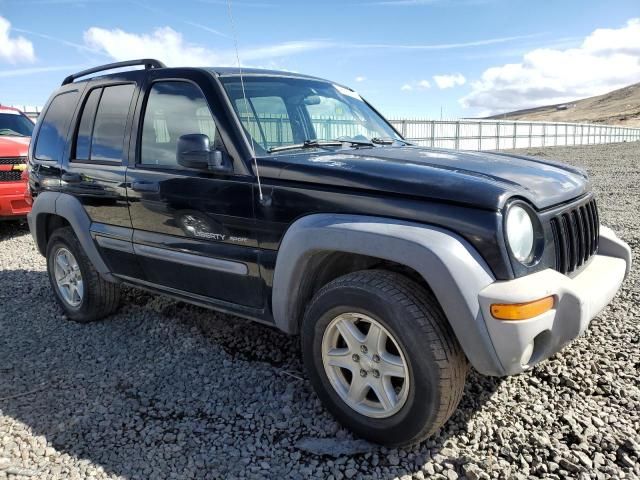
pixel 147 62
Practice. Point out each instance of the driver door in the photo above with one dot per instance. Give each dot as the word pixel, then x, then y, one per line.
pixel 193 228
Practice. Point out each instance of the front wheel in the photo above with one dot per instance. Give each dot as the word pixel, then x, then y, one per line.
pixel 382 357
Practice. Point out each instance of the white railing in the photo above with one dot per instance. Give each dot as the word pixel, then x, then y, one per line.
pixel 29 110
pixel 462 134
pixel 474 134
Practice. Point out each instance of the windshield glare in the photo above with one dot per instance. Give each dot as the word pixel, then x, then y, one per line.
pixel 289 111
pixel 14 124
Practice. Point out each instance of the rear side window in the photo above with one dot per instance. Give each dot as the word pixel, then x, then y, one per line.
pixel 83 142
pixel 107 143
pixel 55 125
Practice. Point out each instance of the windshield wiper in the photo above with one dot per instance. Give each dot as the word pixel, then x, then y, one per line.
pixel 358 143
pixel 307 144
pixel 388 141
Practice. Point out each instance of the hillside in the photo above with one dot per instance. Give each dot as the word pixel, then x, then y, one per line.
pixel 619 107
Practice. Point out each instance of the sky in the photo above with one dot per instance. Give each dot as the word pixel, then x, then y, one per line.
pixel 409 58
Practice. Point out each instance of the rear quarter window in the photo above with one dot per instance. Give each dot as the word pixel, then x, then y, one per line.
pixel 55 126
pixel 107 143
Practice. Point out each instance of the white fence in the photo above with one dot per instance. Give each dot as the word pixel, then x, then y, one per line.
pixel 473 134
pixel 29 110
pixel 463 134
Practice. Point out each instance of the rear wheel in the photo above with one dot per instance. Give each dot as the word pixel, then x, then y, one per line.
pixel 79 289
pixel 382 358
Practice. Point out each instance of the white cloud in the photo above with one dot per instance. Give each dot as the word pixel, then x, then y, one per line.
pixel 31 71
pixel 414 3
pixel 239 4
pixel 606 60
pixel 206 29
pixel 169 46
pixel 14 49
pixel 419 85
pixel 436 46
pixel 282 49
pixel 360 79
pixel 404 3
pixel 163 43
pixel 449 81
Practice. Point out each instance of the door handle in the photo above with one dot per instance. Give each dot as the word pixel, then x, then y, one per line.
pixel 71 177
pixel 145 187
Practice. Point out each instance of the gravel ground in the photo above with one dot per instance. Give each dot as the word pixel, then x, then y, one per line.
pixel 166 390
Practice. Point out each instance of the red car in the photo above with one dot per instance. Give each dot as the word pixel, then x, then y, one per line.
pixel 15 133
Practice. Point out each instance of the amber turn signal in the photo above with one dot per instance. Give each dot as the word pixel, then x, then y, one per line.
pixel 522 311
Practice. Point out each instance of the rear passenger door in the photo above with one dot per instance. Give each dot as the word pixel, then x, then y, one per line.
pixel 193 229
pixel 95 172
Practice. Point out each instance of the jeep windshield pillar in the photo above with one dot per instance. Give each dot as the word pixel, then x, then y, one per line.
pixel 399 266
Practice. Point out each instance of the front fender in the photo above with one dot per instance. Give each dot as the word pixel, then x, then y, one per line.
pixel 453 269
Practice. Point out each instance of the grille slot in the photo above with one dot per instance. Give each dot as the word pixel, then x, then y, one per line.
pixel 10 176
pixel 575 233
pixel 13 160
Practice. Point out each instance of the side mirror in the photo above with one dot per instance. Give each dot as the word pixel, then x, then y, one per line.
pixel 312 100
pixel 193 151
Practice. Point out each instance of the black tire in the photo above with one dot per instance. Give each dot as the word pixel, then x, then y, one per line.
pixel 100 297
pixel 437 366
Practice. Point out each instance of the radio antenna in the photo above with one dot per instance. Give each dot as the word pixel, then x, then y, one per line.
pixel 246 101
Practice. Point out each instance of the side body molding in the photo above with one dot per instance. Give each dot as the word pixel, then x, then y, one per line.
pixel 69 208
pixel 453 269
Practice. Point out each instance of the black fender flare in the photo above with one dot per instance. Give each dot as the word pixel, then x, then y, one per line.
pixel 68 207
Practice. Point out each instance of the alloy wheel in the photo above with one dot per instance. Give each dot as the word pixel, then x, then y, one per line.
pixel 365 365
pixel 68 277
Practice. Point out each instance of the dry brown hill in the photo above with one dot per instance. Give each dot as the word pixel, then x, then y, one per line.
pixel 620 107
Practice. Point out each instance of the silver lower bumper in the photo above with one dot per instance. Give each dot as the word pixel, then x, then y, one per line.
pixel 523 343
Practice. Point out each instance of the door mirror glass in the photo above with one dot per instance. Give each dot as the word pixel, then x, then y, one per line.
pixel 194 151
pixel 312 100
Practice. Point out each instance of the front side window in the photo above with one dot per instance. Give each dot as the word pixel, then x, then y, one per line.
pixel 280 111
pixel 55 125
pixel 107 142
pixel 173 109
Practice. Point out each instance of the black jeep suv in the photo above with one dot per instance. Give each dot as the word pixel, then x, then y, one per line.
pixel 289 200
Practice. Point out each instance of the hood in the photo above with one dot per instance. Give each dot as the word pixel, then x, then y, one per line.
pixel 481 179
pixel 14 146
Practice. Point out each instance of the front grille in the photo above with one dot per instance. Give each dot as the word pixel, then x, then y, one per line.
pixel 13 160
pixel 10 176
pixel 576 233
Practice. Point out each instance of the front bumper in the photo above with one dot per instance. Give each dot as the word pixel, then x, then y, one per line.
pixel 521 344
pixel 12 200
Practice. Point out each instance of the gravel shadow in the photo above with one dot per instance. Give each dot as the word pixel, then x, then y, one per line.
pixel 163 387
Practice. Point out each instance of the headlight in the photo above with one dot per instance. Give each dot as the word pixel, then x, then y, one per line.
pixel 519 229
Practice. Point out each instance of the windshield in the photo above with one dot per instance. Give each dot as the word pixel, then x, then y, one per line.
pixel 291 111
pixel 15 124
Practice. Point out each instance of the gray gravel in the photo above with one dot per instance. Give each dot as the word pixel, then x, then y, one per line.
pixel 166 390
